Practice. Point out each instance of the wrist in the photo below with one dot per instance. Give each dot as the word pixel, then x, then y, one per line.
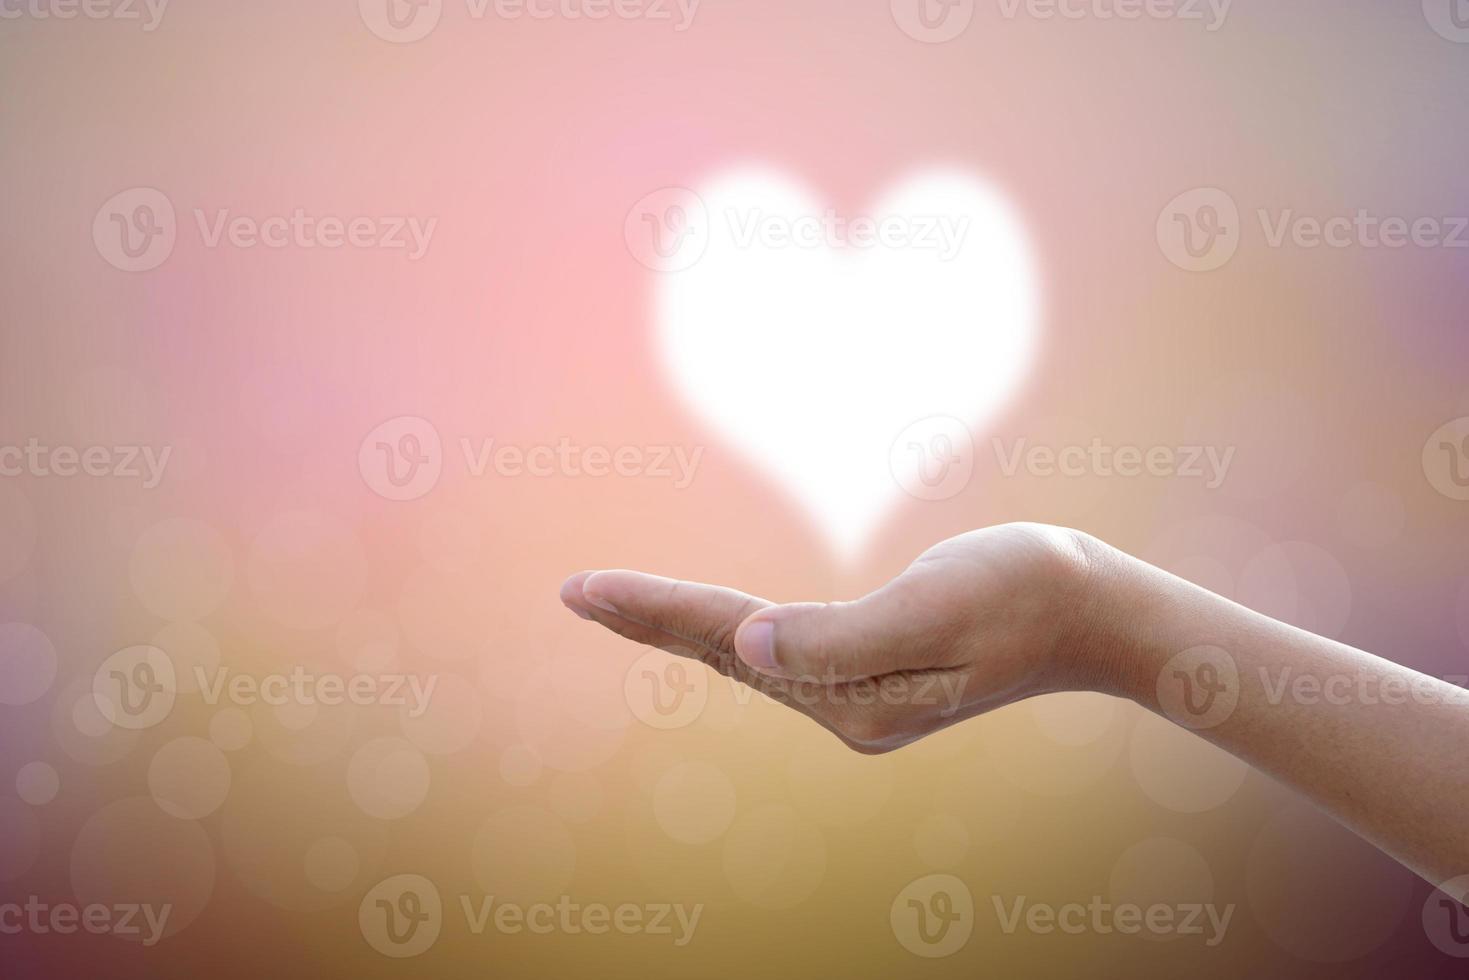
pixel 1141 623
pixel 1120 623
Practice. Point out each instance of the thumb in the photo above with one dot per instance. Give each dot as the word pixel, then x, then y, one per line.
pixel 830 643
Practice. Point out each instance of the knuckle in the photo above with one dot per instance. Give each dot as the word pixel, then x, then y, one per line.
pixel 817 652
pixel 1061 548
pixel 810 664
pixel 718 635
pixel 704 616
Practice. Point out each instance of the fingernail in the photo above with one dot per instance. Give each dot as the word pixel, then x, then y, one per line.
pixel 575 609
pixel 600 603
pixel 757 644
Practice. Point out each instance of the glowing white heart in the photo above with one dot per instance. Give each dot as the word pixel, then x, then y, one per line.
pixel 813 342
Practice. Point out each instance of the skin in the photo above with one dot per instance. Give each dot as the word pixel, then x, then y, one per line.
pixel 1012 612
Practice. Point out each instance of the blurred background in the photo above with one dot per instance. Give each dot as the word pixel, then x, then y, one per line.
pixel 324 326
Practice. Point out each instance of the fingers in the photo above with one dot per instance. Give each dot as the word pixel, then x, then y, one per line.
pixel 834 643
pixel 831 644
pixel 706 615
pixel 571 596
pixel 826 661
pixel 701 619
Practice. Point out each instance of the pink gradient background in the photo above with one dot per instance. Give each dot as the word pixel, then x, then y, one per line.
pixel 528 321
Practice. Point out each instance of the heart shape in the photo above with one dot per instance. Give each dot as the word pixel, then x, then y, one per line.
pixel 814 343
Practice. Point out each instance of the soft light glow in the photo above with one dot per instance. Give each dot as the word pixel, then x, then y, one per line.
pixel 812 343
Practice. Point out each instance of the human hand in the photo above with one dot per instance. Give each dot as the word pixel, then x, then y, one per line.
pixel 976 622
pixel 1006 613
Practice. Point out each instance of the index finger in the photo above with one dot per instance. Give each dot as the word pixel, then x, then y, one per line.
pixel 707 615
pixel 658 611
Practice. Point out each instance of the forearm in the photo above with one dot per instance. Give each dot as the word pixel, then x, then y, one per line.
pixel 1379 746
